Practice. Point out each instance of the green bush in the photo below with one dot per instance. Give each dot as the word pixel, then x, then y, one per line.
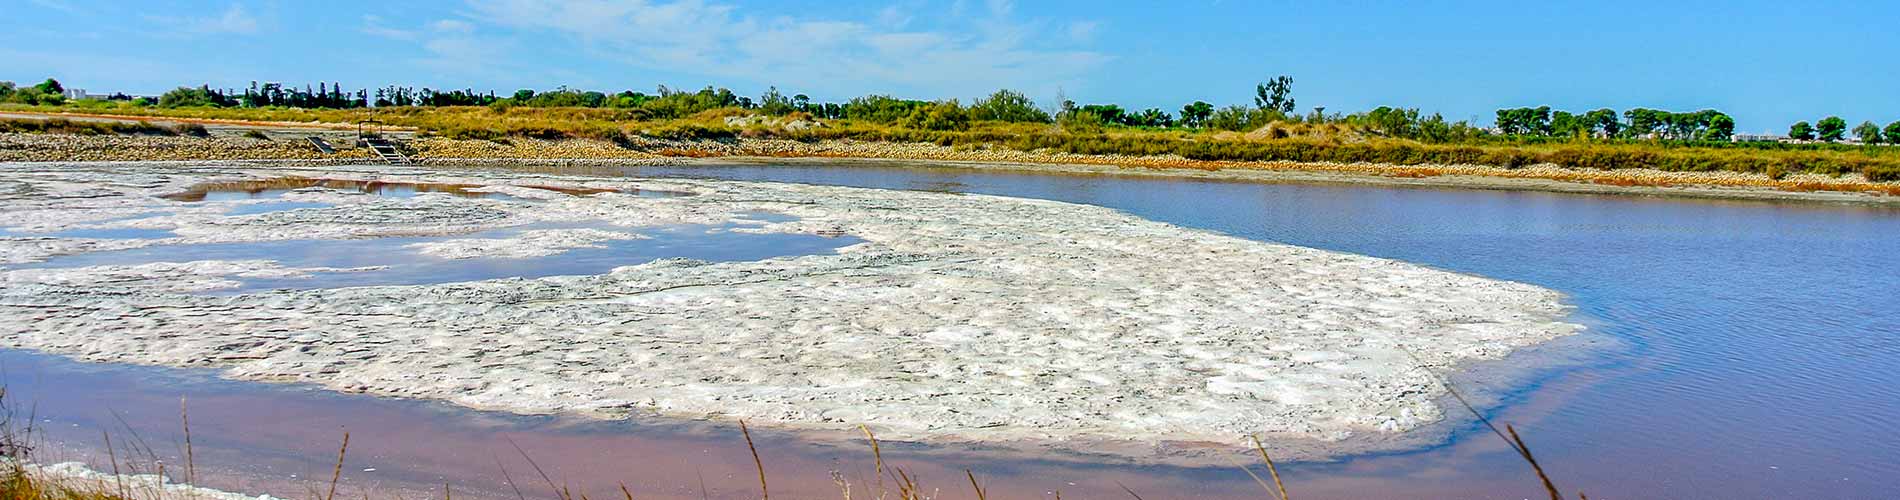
pixel 942 115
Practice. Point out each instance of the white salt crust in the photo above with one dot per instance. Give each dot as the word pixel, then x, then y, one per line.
pixel 959 318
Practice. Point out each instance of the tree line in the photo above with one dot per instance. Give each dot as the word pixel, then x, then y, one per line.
pixel 1273 101
pixel 1638 123
pixel 1833 129
pixel 49 93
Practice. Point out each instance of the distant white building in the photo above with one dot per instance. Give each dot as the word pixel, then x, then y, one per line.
pixel 1757 138
pixel 77 94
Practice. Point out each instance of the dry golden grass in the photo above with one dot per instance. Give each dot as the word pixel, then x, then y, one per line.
pixel 1307 146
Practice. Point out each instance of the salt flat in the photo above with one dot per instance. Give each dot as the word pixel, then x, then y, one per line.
pixel 958 318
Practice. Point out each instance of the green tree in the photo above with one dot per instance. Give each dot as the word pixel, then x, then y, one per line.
pixel 1392 122
pixel 879 108
pixel 1892 134
pixel 1867 132
pixel 1831 129
pixel 1720 128
pixel 1801 131
pixel 1525 121
pixel 1603 122
pixel 1236 118
pixel 1109 113
pixel 775 104
pixel 1154 117
pixel 50 86
pixel 1195 114
pixel 1564 124
pixel 1007 106
pixel 940 115
pixel 1275 94
pixel 186 97
pixel 1643 122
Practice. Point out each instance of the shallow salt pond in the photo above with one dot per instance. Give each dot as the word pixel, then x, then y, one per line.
pixel 1752 357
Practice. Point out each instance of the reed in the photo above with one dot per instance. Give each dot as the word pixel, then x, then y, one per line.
pixel 18 482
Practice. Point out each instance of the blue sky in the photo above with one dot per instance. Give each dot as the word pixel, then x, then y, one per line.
pixel 1766 63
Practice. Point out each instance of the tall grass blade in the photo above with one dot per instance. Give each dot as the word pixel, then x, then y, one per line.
pixel 191 466
pixel 1131 492
pixel 973 485
pixel 1548 485
pixel 558 491
pixel 337 474
pixel 1271 469
pixel 764 492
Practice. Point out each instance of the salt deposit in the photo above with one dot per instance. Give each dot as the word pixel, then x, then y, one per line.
pixel 959 317
pixel 86 482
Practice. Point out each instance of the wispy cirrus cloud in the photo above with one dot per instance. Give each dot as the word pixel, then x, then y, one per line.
pixel 59 5
pixel 374 25
pixel 233 20
pixel 981 48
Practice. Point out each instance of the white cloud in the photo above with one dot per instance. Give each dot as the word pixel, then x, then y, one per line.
pixel 452 26
pixel 59 5
pixel 1083 31
pixel 373 25
pixel 964 56
pixel 234 20
pixel 892 16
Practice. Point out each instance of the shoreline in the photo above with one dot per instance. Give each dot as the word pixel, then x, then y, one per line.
pixel 1848 189
pixel 1293 174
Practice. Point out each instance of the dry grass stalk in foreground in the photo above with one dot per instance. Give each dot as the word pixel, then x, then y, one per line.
pixel 1516 443
pixel 17 482
pixel 1275 470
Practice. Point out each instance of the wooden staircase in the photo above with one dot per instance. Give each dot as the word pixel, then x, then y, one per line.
pixel 387 149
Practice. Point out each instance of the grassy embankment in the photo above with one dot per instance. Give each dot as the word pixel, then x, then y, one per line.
pixel 64 126
pixel 1278 142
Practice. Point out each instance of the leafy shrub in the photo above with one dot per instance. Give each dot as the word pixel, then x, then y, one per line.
pixel 941 115
pixel 1007 106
